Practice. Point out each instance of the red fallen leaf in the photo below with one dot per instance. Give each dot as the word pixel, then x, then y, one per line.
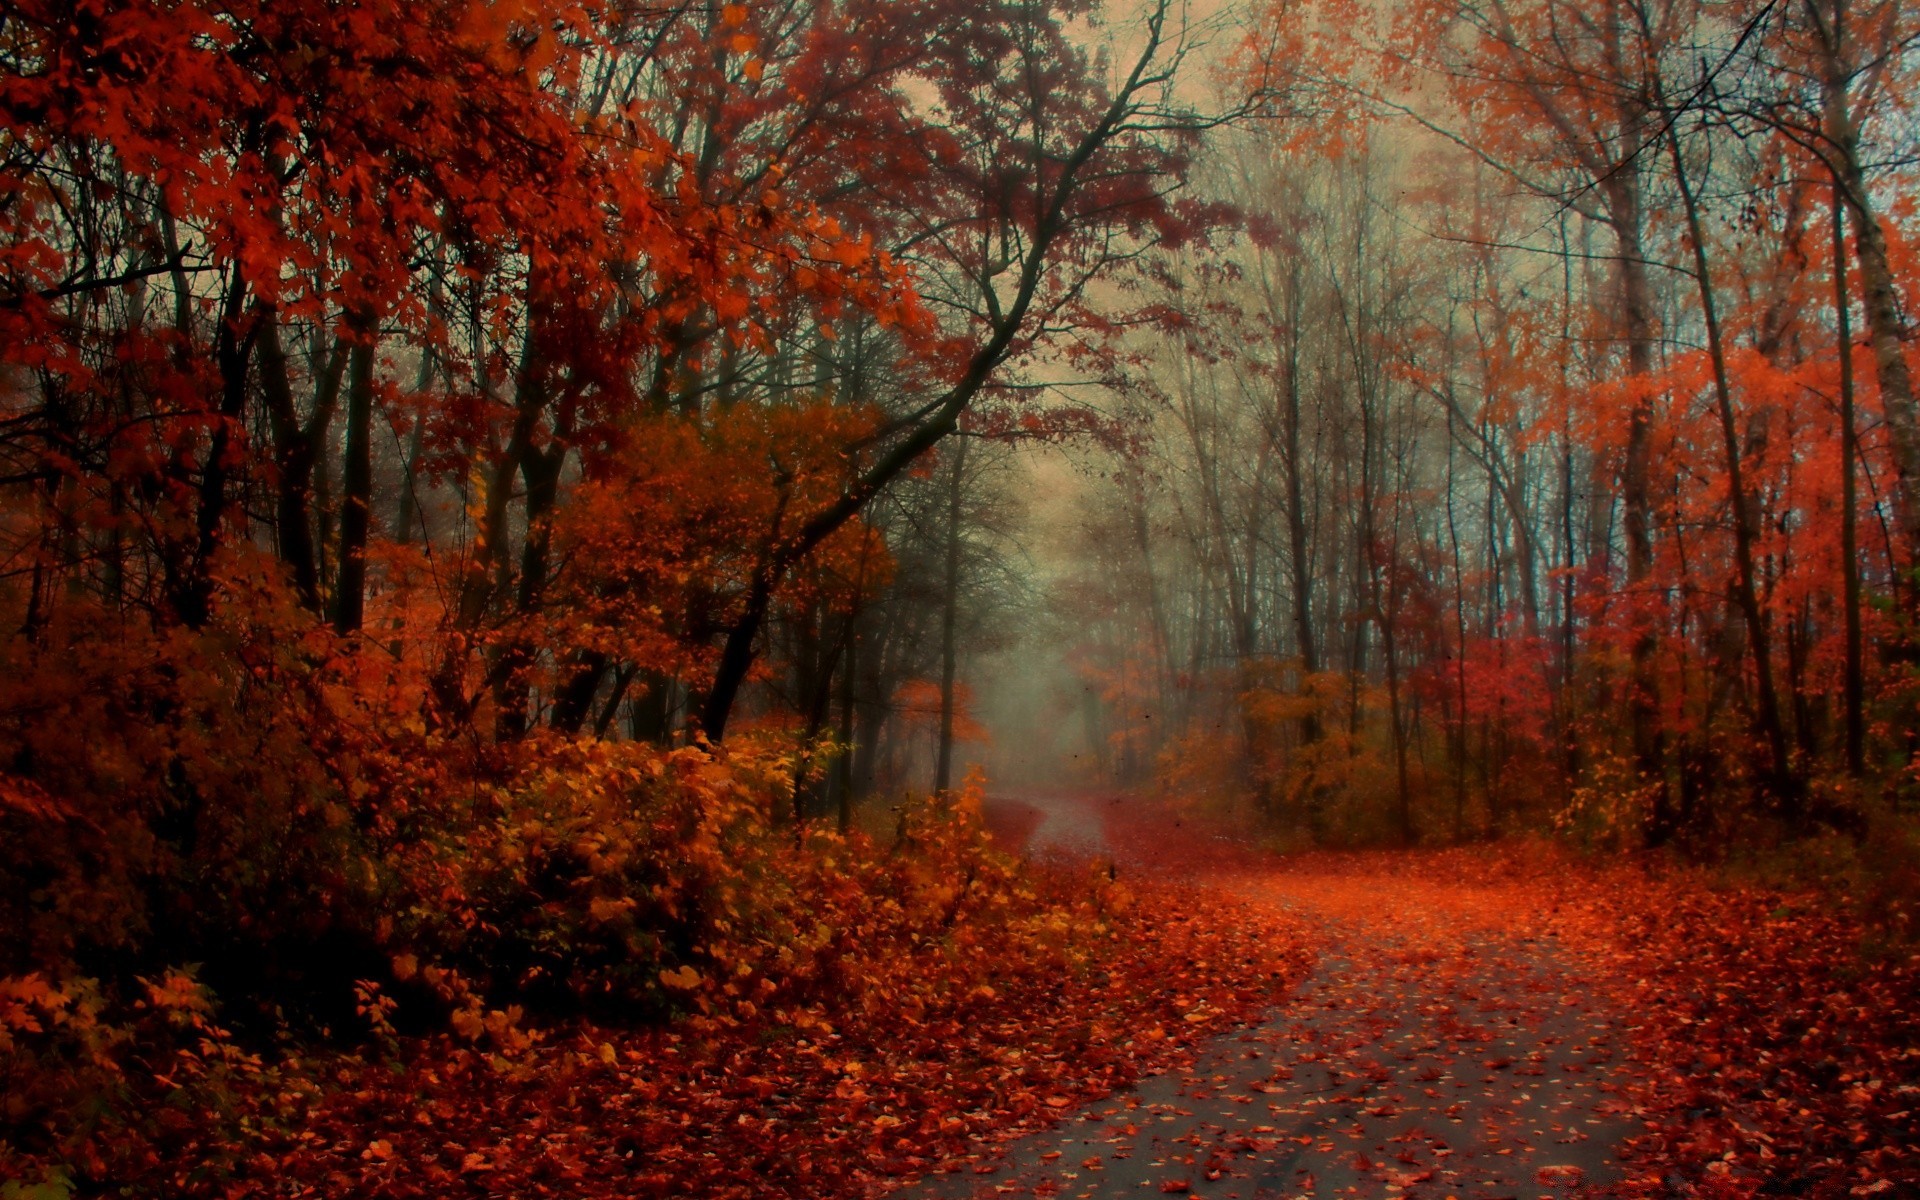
pixel 1058 1102
pixel 1173 1186
pixel 1560 1176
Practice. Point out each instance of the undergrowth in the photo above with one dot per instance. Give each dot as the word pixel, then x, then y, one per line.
pixel 632 977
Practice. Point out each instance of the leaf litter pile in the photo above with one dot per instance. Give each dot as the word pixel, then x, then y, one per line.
pixel 1737 1046
pixel 1516 1021
pixel 1769 1054
pixel 1059 988
pixel 1212 1022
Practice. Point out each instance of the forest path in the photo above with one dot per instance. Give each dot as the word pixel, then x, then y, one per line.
pixel 1431 1054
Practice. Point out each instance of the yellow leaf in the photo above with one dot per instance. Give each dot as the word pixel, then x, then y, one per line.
pixel 608 908
pixel 684 978
pixel 469 1023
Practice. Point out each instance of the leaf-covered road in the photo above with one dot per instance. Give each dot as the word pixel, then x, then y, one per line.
pixel 1432 1053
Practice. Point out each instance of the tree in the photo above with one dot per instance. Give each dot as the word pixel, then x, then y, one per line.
pixel 1056 181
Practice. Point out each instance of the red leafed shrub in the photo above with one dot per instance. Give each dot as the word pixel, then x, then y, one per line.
pixel 387 893
pixel 625 880
pixel 166 791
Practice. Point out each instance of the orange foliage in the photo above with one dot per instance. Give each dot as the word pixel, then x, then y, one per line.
pixel 891 1005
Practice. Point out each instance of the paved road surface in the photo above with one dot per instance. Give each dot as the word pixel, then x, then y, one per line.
pixel 1428 1056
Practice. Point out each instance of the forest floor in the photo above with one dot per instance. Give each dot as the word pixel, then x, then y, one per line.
pixel 1187 1015
pixel 1500 1022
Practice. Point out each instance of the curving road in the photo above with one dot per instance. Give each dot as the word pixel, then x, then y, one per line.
pixel 1430 1055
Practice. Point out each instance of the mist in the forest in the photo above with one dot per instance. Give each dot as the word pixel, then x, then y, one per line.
pixel 1026 708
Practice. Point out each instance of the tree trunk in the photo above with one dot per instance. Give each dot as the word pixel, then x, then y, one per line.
pixel 1854 688
pixel 356 480
pixel 1300 553
pixel 540 472
pixel 1879 295
pixel 409 513
pixel 294 452
pixel 843 764
pixel 1647 734
pixel 949 621
pixel 573 700
pixel 1459 740
pixel 233 349
pixel 1781 787
pixel 736 656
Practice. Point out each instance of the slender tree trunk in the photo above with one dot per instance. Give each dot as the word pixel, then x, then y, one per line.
pixel 356 480
pixel 1156 609
pixel 736 656
pixel 319 433
pixel 573 699
pixel 1299 551
pixel 293 459
pixel 489 567
pixel 623 677
pixel 651 713
pixel 540 471
pixel 1459 654
pixel 843 765
pixel 1383 606
pixel 949 621
pixel 233 351
pixel 819 704
pixel 408 515
pixel 1646 731
pixel 1854 688
pixel 1879 294
pixel 1308 787
pixel 1403 804
pixel 1781 786
pixel 1569 645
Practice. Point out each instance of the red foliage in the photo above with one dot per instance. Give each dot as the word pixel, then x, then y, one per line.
pixel 1774 1036
pixel 850 1013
